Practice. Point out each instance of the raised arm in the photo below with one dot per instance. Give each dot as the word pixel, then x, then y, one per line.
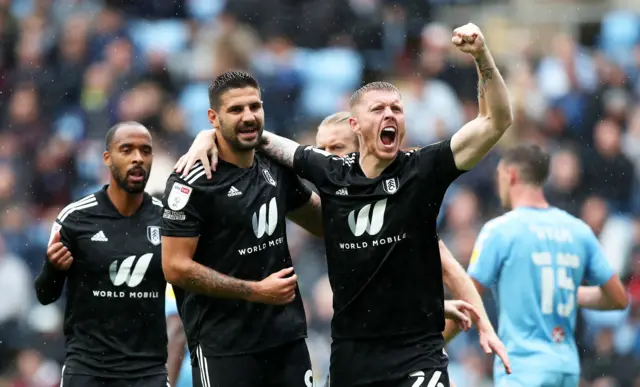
pixel 279 148
pixel 476 138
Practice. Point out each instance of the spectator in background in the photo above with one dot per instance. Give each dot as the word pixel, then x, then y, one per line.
pixel 607 171
pixel 565 188
pixel 17 298
pixel 605 363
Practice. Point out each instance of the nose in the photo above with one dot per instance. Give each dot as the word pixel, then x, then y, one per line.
pixel 136 157
pixel 247 115
pixel 388 113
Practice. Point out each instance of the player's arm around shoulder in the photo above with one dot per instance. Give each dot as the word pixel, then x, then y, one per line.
pixel 309 162
pixel 476 138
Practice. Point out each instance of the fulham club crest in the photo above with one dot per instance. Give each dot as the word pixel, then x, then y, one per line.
pixel 268 177
pixel 179 196
pixel 390 185
pixel 153 235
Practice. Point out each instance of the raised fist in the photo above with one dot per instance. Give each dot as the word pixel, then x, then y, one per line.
pixel 469 39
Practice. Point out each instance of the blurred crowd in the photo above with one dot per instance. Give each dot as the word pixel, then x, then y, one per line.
pixel 69 69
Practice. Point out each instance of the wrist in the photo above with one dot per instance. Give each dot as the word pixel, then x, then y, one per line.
pixel 481 56
pixel 484 327
pixel 253 289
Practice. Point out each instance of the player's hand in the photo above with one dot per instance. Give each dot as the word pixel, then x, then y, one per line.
pixel 58 254
pixel 490 343
pixel 204 145
pixel 469 39
pixel 459 312
pixel 276 289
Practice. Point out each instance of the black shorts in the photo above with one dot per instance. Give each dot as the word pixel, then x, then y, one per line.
pixel 287 365
pixel 387 361
pixel 76 380
pixel 424 378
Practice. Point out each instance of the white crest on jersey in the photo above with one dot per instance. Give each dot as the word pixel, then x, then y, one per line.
pixel 179 196
pixel 268 177
pixel 391 185
pixel 153 235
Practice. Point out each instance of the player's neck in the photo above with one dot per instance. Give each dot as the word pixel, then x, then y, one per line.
pixel 125 202
pixel 371 165
pixel 532 197
pixel 241 159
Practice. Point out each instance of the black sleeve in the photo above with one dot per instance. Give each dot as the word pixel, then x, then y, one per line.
pixel 182 206
pixel 297 193
pixel 435 163
pixel 50 282
pixel 316 165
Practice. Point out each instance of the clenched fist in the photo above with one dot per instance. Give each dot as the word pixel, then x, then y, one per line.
pixel 58 254
pixel 469 39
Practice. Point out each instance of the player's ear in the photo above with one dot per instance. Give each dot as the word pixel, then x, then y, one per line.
pixel 106 156
pixel 353 123
pixel 514 175
pixel 213 118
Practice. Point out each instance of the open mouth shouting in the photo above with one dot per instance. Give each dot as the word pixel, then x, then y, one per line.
pixel 388 137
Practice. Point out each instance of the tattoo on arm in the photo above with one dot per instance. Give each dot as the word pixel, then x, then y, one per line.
pixel 200 279
pixel 279 148
pixel 485 73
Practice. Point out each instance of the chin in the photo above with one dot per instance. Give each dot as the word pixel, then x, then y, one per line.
pixel 387 155
pixel 247 145
pixel 136 189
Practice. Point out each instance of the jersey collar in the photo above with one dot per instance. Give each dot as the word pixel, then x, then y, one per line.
pixel 108 204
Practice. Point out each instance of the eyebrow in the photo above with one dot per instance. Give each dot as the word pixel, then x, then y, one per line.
pixel 379 102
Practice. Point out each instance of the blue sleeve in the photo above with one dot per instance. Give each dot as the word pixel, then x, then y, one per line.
pixel 487 256
pixel 170 306
pixel 598 270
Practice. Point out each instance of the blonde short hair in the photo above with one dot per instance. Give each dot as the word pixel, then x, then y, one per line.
pixel 336 118
pixel 373 86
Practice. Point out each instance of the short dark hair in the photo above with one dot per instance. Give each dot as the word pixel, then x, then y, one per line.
pixel 531 160
pixel 227 81
pixel 108 139
pixel 373 86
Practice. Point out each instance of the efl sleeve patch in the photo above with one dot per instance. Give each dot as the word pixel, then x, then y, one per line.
pixel 179 196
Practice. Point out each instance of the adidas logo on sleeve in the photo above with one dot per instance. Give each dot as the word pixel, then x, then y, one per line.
pixel 233 191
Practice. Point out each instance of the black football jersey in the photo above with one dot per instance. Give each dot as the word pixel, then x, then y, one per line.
pixel 239 215
pixel 114 317
pixel 381 242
